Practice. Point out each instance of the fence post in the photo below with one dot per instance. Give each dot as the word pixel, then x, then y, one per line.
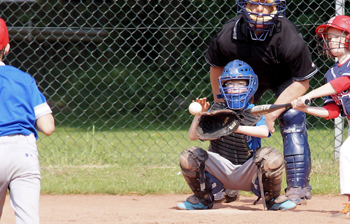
pixel 339 7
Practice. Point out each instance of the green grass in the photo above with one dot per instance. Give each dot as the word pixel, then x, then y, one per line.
pixel 138 162
pixel 152 179
pixel 113 179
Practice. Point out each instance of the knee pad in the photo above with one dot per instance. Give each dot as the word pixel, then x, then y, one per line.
pixel 295 147
pixel 192 164
pixel 270 163
pixel 191 159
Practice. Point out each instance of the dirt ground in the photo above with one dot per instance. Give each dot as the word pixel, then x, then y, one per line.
pixel 88 209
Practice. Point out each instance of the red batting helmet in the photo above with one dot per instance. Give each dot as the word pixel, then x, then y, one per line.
pixel 4 35
pixel 341 23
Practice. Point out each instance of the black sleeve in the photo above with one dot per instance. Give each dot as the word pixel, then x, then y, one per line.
pixel 217 54
pixel 213 56
pixel 298 58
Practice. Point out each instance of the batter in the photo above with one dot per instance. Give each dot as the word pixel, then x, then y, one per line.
pixel 334 43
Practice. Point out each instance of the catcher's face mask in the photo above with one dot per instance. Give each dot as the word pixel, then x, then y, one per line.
pixel 238 83
pixel 236 86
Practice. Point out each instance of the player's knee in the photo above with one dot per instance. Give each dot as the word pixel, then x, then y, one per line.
pixel 271 165
pixel 270 161
pixel 292 117
pixel 191 158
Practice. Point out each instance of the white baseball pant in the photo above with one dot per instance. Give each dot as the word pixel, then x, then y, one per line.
pixel 20 173
pixel 344 165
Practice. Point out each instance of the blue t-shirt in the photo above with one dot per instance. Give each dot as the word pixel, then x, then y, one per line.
pixel 255 142
pixel 21 102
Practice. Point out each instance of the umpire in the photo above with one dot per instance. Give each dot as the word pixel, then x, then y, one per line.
pixel 262 37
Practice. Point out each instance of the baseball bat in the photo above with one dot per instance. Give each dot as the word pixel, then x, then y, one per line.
pixel 268 108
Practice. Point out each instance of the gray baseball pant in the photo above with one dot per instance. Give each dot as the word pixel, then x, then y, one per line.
pixel 233 177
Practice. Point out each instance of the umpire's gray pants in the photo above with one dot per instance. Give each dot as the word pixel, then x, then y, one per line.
pixel 20 173
pixel 233 177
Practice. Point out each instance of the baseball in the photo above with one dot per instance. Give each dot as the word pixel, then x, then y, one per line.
pixel 195 108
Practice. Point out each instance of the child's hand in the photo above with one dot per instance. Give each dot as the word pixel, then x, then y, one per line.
pixel 203 102
pixel 301 101
pixel 294 104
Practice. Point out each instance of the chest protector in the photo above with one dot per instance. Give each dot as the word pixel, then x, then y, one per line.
pixel 234 147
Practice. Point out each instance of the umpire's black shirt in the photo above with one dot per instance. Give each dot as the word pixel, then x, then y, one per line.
pixel 283 55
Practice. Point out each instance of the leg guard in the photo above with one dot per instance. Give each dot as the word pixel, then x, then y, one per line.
pixel 296 148
pixel 270 174
pixel 270 165
pixel 192 164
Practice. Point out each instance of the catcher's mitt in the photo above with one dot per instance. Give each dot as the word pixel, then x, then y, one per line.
pixel 215 124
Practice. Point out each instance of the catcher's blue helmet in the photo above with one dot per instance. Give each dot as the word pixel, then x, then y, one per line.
pixel 260 21
pixel 238 70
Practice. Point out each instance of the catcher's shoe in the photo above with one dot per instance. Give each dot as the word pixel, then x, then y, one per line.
pixel 296 195
pixel 195 203
pixel 307 190
pixel 286 205
pixel 226 196
pixel 219 197
pixel 346 209
pixel 231 195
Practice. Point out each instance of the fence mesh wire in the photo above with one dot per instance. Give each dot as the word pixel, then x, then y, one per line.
pixel 119 75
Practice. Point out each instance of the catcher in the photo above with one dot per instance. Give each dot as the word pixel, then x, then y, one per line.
pixel 234 159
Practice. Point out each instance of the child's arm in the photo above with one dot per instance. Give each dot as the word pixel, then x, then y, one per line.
pixel 45 124
pixel 333 87
pixel 321 91
pixel 205 106
pixel 316 111
pixel 256 131
pixel 329 111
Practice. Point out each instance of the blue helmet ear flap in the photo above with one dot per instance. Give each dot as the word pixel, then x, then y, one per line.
pixel 239 98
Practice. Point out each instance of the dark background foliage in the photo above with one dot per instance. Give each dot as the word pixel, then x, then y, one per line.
pixel 101 61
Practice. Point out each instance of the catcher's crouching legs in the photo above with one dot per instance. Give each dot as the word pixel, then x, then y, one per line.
pixel 192 164
pixel 270 164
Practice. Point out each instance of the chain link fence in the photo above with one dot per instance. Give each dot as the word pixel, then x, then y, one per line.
pixel 119 75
